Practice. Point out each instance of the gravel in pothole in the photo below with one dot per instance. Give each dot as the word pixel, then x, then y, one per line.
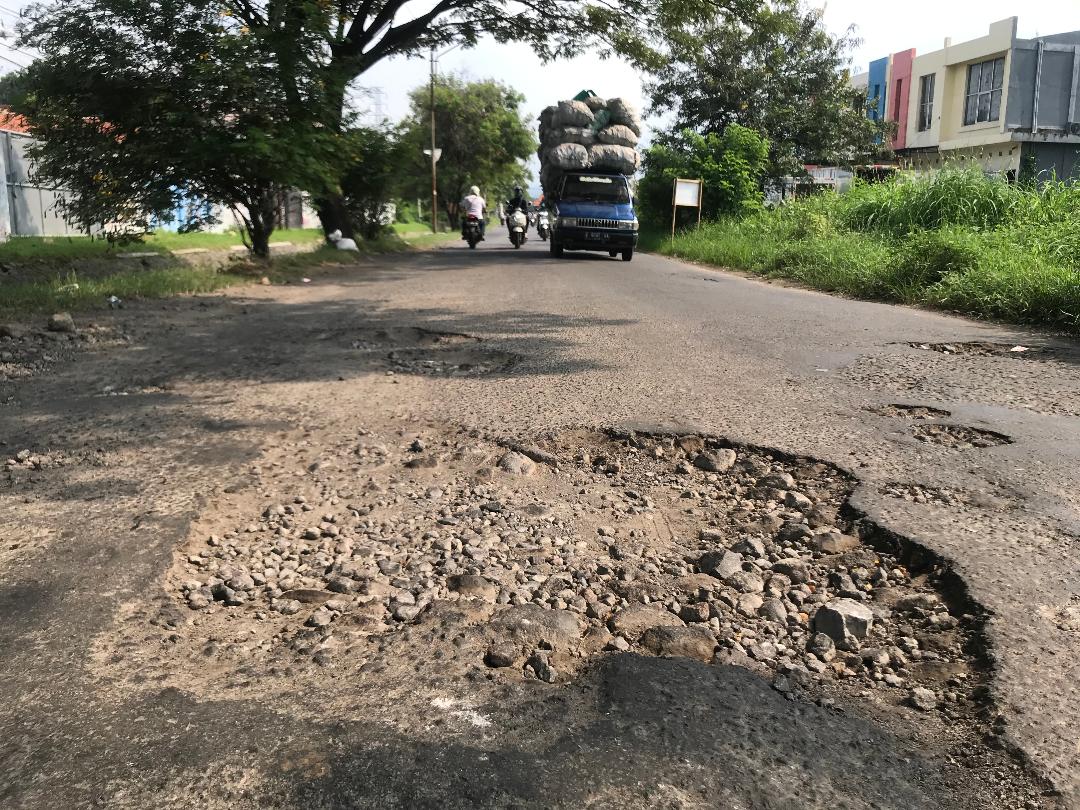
pixel 959 437
pixel 447 553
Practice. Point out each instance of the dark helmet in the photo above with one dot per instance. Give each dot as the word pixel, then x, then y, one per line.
pixel 517 191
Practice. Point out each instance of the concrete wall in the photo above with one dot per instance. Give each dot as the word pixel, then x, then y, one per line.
pixel 900 90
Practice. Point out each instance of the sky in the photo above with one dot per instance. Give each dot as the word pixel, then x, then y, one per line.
pixel 883 28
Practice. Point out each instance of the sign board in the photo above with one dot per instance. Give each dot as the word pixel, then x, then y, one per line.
pixel 438 154
pixel 688 194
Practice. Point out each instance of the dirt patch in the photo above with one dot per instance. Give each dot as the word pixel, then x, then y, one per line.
pixel 959 437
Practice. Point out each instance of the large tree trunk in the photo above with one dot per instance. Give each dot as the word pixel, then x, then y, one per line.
pixel 333 212
pixel 259 223
pixel 334 216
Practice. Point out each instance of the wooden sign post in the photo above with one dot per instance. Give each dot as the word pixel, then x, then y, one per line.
pixel 688 194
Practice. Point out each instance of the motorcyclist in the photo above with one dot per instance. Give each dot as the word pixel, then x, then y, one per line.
pixel 474 205
pixel 519 202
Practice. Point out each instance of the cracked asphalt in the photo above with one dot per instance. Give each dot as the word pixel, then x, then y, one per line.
pixel 207 384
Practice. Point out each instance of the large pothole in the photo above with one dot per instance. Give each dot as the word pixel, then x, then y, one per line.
pixel 387 551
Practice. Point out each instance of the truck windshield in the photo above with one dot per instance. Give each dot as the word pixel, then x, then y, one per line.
pixel 596 188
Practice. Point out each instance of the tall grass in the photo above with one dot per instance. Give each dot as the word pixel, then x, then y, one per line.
pixel 955 240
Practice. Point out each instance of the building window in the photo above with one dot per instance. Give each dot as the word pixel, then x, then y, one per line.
pixel 983 102
pixel 896 101
pixel 926 101
pixel 875 101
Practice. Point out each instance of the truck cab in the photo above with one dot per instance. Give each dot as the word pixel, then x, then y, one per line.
pixel 594 211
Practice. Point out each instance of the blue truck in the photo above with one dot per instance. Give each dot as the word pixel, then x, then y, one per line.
pixel 593 211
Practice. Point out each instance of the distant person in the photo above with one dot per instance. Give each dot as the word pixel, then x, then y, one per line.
pixel 519 202
pixel 476 206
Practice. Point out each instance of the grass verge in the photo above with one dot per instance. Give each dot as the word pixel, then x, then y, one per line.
pixel 957 241
pixel 74 248
pixel 73 293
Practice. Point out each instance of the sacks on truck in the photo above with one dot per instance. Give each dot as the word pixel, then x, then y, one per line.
pixel 587 133
pixel 572 114
pixel 619 135
pixel 568 156
pixel 612 158
pixel 624 114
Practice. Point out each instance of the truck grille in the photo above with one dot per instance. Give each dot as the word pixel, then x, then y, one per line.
pixel 598 223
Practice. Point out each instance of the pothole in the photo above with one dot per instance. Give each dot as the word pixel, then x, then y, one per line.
pixel 452 362
pixel 409 336
pixel 984 349
pixel 406 559
pixel 415 350
pixel 911 412
pixel 959 437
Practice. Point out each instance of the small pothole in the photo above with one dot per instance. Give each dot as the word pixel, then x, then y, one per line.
pixel 911 412
pixel 979 348
pixel 959 437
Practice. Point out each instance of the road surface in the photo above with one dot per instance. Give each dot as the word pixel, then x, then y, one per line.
pixel 177 420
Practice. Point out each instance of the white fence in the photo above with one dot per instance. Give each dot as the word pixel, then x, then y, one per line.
pixel 26 209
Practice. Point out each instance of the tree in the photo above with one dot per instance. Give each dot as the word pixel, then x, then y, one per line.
pixel 779 72
pixel 484 137
pixel 137 108
pixel 333 42
pixel 731 165
pixel 368 184
pixel 13 87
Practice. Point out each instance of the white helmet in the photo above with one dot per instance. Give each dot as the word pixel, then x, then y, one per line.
pixel 475 190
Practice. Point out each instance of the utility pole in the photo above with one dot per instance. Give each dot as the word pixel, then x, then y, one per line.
pixel 434 187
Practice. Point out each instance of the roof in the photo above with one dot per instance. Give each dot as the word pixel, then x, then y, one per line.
pixel 13 122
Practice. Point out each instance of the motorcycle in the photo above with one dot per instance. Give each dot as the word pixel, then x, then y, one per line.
pixel 471 233
pixel 518 224
pixel 543 225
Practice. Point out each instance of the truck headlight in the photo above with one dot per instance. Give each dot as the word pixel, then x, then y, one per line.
pixel 628 224
pixel 566 222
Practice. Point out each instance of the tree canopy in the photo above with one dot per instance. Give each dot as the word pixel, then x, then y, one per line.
pixel 776 70
pixel 731 164
pixel 484 137
pixel 137 108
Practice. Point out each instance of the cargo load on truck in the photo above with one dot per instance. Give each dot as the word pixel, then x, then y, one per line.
pixel 587 132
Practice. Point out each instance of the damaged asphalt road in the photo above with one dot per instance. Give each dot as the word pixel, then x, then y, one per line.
pixel 385 397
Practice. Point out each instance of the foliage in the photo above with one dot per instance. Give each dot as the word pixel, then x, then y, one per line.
pixel 139 107
pixel 955 240
pixel 731 166
pixel 375 162
pixel 484 138
pixel 13 87
pixel 779 72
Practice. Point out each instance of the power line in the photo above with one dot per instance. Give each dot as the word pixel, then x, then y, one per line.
pixel 12 61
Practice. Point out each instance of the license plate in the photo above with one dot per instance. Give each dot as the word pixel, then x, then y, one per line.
pixel 594 235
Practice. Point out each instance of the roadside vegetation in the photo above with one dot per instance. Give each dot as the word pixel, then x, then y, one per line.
pixel 73 292
pixel 957 240
pixel 73 248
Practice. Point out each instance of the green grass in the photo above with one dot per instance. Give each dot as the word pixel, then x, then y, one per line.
pixel 178 241
pixel 74 248
pixel 73 293
pixel 957 241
